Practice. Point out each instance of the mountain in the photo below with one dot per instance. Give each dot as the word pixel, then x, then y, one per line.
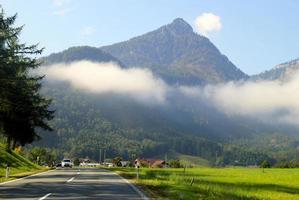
pixel 280 72
pixel 73 54
pixel 178 55
pixel 86 122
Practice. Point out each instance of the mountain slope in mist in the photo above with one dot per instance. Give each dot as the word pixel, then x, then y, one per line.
pixel 74 54
pixel 281 72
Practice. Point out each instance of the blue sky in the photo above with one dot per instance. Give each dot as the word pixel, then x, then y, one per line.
pixel 255 35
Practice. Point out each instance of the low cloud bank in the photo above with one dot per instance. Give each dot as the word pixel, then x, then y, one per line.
pixel 139 84
pixel 270 101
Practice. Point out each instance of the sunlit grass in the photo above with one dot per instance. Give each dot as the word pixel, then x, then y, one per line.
pixel 219 183
pixel 19 166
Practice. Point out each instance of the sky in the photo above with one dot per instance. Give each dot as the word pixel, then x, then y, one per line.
pixel 255 35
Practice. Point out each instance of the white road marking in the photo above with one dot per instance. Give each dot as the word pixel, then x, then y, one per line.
pixel 78 172
pixel 71 179
pixel 44 197
pixel 141 194
pixel 26 177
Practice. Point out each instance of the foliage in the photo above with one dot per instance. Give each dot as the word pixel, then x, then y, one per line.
pixel 76 162
pixel 22 108
pixel 287 164
pixel 41 156
pixel 241 157
pixel 265 164
pixel 174 164
pixel 17 163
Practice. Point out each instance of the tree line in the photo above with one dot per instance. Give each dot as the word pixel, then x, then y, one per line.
pixel 22 108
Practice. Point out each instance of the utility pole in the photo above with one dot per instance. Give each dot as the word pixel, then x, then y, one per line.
pixel 104 154
pixel 100 155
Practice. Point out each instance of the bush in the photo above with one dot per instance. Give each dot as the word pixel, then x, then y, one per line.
pixel 175 164
pixel 265 164
pixel 287 164
pixel 76 162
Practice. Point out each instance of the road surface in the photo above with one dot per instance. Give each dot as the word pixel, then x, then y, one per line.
pixel 74 184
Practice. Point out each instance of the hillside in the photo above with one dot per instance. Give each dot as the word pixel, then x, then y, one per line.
pixel 84 123
pixel 73 54
pixel 19 166
pixel 178 55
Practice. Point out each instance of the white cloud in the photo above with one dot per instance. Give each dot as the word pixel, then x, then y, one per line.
pixel 87 31
pixel 207 23
pixel 99 78
pixel 268 101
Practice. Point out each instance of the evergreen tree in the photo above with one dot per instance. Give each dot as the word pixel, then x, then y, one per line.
pixel 22 107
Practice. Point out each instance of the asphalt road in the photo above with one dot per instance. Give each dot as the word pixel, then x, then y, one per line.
pixel 71 184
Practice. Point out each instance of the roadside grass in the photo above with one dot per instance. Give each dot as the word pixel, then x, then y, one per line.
pixel 217 183
pixel 19 166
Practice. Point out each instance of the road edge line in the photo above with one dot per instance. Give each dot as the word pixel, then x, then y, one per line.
pixel 71 179
pixel 44 197
pixel 141 194
pixel 3 183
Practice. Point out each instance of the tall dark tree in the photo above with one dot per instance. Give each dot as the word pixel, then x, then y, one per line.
pixel 22 108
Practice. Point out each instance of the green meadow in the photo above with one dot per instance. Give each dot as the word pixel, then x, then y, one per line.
pixel 217 183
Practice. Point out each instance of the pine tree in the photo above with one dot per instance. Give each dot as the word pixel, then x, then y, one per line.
pixel 22 107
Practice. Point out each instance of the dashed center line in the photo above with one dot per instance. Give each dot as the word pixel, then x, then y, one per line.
pixel 71 179
pixel 44 197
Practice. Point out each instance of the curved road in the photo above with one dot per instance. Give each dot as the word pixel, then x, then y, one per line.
pixel 71 184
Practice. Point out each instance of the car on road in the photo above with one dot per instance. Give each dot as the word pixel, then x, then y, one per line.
pixel 66 163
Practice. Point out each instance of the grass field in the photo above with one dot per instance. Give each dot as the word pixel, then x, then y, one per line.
pixel 217 183
pixel 19 166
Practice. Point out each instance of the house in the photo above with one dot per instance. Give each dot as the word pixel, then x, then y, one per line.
pixel 125 163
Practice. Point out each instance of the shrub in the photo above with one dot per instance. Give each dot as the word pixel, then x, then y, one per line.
pixel 76 162
pixel 175 164
pixel 265 164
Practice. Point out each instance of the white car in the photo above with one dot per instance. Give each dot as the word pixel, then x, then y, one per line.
pixel 66 163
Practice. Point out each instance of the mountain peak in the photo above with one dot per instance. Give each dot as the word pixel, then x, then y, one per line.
pixel 180 21
pixel 178 55
pixel 179 26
